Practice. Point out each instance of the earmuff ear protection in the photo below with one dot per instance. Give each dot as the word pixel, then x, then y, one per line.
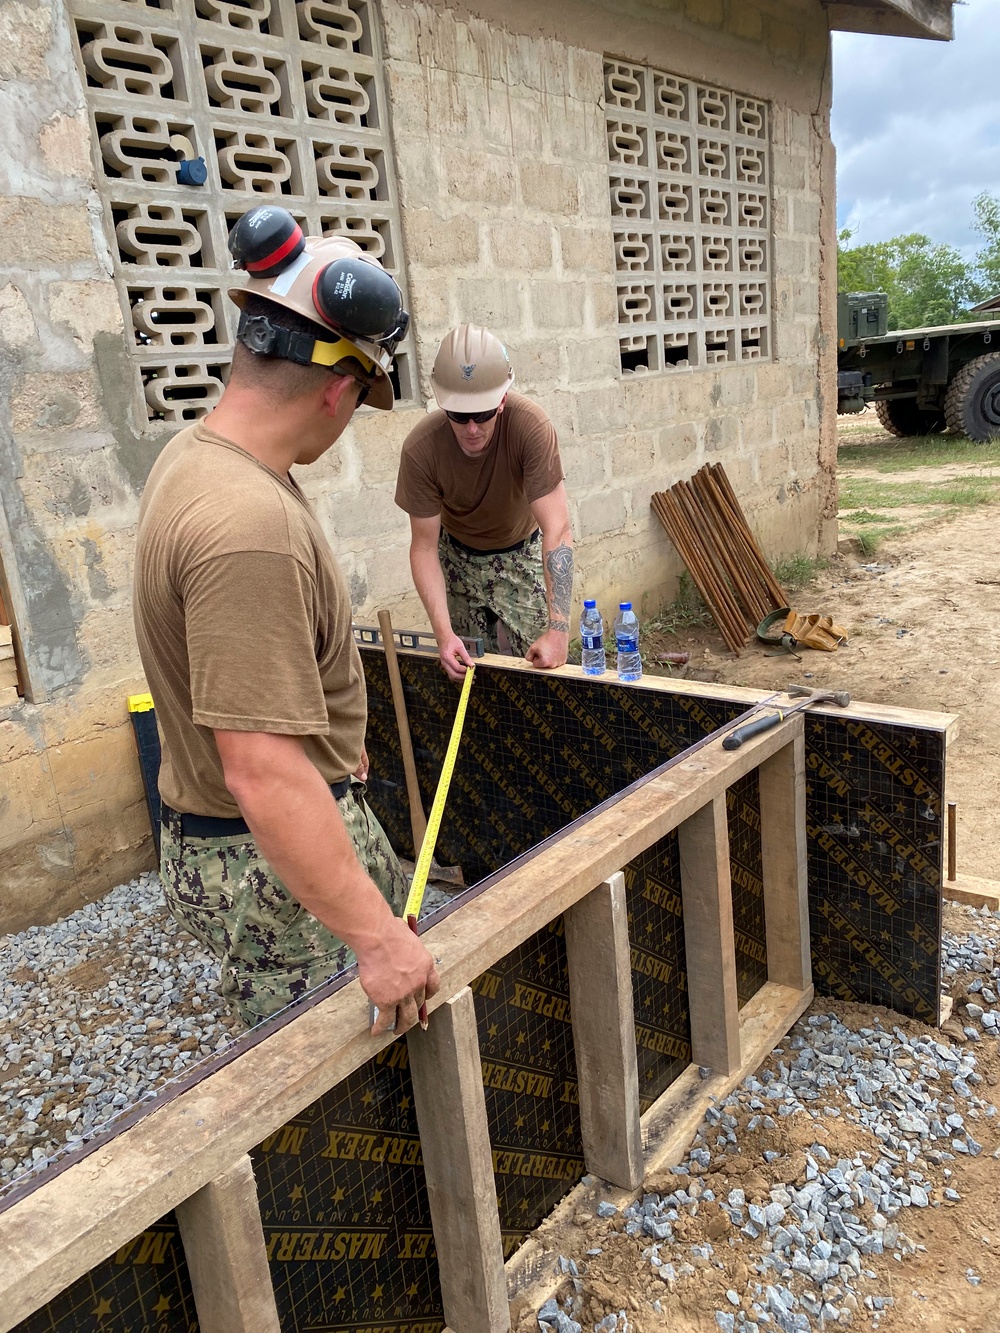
pixel 360 299
pixel 352 296
pixel 266 241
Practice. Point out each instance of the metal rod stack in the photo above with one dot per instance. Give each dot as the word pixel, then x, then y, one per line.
pixel 704 521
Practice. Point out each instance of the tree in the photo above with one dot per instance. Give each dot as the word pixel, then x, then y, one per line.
pixel 987 224
pixel 926 284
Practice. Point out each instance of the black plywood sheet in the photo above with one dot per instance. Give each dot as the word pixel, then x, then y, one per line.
pixel 874 809
pixel 344 1208
pixel 142 1288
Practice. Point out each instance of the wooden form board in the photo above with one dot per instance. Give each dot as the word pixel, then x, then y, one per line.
pixel 78 1218
pixel 973 891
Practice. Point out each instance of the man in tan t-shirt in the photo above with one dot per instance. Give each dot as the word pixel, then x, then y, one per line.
pixel 491 549
pixel 269 853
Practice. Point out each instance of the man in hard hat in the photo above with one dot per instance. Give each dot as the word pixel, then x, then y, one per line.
pixel 270 855
pixel 491 549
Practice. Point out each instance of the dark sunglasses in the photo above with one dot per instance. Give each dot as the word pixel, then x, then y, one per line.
pixel 480 418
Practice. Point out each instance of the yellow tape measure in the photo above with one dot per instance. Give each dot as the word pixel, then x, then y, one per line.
pixel 423 866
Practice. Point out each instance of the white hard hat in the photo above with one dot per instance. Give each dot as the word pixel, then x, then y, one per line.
pixel 330 281
pixel 472 371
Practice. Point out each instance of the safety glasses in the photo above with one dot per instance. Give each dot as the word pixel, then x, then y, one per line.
pixel 480 418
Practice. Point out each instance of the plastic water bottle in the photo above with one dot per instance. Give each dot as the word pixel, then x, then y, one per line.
pixel 627 639
pixel 592 637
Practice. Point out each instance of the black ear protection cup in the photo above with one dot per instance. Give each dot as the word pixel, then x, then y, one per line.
pixel 266 241
pixel 360 299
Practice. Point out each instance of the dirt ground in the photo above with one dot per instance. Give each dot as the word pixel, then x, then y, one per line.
pixel 923 616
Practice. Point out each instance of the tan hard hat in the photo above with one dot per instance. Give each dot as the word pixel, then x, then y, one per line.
pixel 293 288
pixel 472 371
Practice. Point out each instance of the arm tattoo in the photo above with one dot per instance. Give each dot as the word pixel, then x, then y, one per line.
pixel 559 568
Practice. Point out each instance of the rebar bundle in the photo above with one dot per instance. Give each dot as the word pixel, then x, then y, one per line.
pixel 704 521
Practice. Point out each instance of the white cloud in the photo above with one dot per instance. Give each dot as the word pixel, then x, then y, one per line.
pixel 917 129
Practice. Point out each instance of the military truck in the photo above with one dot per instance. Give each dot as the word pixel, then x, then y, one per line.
pixel 920 380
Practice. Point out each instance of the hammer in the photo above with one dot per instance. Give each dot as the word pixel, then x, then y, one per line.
pixel 736 738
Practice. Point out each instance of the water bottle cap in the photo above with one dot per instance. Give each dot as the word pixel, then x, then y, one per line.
pixel 589 601
pixel 624 606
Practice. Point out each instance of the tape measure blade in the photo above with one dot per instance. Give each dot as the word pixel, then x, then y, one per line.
pixel 421 870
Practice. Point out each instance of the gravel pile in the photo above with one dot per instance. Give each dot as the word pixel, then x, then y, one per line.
pixel 96 1011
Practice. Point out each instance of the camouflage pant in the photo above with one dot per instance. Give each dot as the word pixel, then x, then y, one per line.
pixel 491 592
pixel 270 949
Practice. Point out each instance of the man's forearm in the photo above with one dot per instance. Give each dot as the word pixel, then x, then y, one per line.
pixel 557 559
pixel 428 579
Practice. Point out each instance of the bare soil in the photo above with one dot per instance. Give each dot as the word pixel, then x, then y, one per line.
pixel 923 619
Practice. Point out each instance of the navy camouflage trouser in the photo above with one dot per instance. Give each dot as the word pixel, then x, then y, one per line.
pixel 504 590
pixel 270 949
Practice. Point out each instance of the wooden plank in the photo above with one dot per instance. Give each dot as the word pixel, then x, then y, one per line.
pixel 458 1167
pixel 671 1123
pixel 698 689
pixel 78 1218
pixel 709 945
pixel 6 636
pixel 418 819
pixel 784 864
pixel 600 993
pixel 668 1128
pixel 227 1261
pixel 973 891
pixel 8 695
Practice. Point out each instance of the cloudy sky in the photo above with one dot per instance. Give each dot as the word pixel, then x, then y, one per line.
pixel 917 129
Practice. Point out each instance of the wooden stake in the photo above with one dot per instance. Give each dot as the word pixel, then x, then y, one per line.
pixel 224 1246
pixel 952 840
pixel 418 820
pixel 709 943
pixel 783 859
pixel 458 1167
pixel 600 991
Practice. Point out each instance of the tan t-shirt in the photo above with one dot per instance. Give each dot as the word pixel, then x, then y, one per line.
pixel 482 501
pixel 243 619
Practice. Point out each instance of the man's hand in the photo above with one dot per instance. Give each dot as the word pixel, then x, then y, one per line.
pixel 361 772
pixel 455 657
pixel 549 650
pixel 398 975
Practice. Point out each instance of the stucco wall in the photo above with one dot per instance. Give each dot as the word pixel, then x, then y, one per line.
pixel 502 165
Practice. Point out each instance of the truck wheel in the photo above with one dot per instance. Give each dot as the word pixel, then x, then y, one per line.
pixel 972 405
pixel 902 417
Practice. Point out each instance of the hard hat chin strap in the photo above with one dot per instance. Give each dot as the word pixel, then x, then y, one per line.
pixel 264 338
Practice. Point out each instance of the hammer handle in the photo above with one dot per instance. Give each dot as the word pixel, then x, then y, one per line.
pixel 736 738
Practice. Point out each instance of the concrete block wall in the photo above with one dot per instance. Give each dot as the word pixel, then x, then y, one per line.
pixel 498 129
pixel 502 162
pixel 72 817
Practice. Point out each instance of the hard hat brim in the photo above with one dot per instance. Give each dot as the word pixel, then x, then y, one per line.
pixel 452 400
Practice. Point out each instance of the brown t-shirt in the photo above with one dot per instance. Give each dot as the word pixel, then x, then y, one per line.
pixel 482 501
pixel 243 619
